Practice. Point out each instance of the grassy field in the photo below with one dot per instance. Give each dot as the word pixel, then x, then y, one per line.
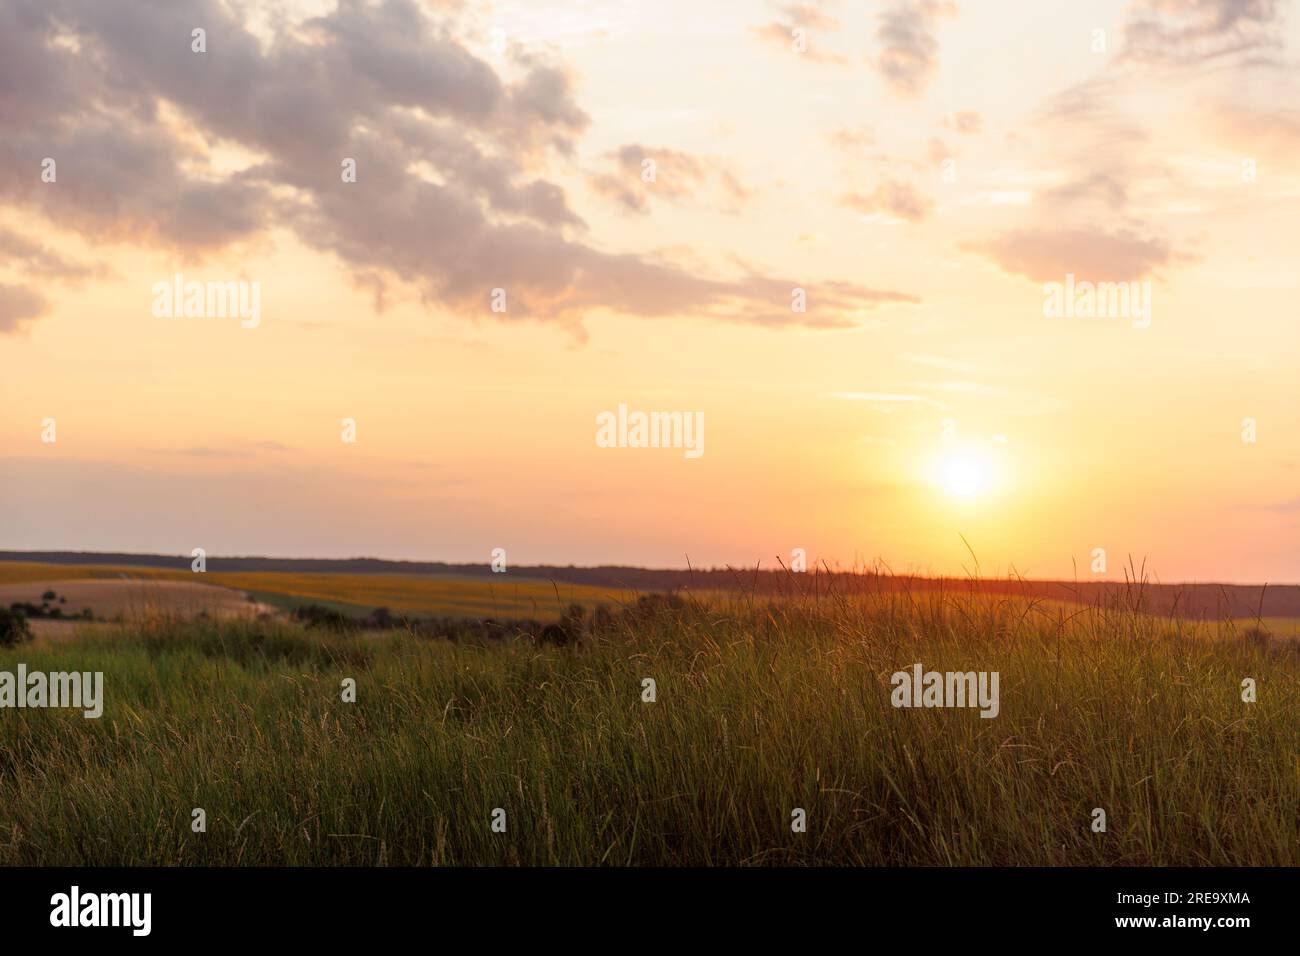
pixel 761 708
pixel 1288 627
pixel 357 594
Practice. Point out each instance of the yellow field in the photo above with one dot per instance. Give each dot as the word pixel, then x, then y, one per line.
pixel 500 596
pixel 21 572
pixel 426 594
pixel 1277 626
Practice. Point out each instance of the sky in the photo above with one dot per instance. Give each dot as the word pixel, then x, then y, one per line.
pixel 831 232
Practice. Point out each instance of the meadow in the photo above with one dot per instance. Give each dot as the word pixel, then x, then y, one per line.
pixel 762 707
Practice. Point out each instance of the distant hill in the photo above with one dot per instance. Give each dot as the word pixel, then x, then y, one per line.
pixel 1192 600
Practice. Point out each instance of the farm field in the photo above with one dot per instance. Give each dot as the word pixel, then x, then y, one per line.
pixel 760 709
pixel 355 594
pixel 131 599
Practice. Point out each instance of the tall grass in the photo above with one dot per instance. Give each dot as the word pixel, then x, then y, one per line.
pixel 761 708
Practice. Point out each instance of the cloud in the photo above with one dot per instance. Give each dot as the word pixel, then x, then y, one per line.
pixel 18 306
pixel 1196 32
pixel 679 178
pixel 892 197
pixel 1258 132
pixel 937 151
pixel 1110 163
pixel 36 260
pixel 938 361
pixel 235 450
pixel 852 138
pixel 1045 255
pixel 810 15
pixel 965 122
pixel 451 200
pixel 1099 169
pixel 805 17
pixel 1107 187
pixel 886 398
pixel 909 55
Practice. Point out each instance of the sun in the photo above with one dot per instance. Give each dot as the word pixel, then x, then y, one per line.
pixel 964 476
pixel 965 473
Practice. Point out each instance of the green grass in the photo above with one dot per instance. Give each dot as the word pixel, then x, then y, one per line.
pixel 761 709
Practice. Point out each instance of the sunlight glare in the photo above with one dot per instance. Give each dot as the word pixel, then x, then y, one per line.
pixel 964 477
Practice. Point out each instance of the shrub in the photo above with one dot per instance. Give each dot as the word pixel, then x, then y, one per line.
pixel 13 628
pixel 314 615
pixel 1258 637
pixel 602 619
pixel 553 634
pixel 572 623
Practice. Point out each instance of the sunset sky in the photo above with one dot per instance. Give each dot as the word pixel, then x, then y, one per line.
pixel 921 169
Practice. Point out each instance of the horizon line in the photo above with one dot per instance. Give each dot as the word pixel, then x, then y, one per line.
pixel 878 571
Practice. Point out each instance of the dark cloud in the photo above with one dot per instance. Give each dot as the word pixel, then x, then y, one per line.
pixel 909 50
pixel 36 79
pixel 451 196
pixel 402 59
pixel 1045 255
